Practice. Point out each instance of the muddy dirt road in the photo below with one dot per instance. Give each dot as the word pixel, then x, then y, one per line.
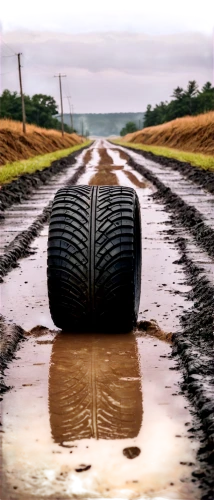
pixel 106 415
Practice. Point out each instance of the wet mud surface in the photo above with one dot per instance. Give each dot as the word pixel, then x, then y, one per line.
pixel 19 246
pixel 197 175
pixel 22 188
pixel 105 171
pixel 194 342
pixel 188 215
pixel 112 416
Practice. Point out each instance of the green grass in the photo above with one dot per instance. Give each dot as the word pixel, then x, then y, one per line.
pixel 196 159
pixel 11 171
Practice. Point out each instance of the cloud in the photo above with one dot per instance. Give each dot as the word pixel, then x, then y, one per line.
pixel 125 52
pixel 153 16
pixel 122 71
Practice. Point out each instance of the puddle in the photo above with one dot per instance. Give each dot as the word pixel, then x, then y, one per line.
pixel 96 416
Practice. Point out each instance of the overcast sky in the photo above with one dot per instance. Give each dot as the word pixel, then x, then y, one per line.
pixel 118 56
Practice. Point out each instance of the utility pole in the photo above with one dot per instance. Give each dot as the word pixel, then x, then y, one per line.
pixel 22 95
pixel 70 107
pixel 60 90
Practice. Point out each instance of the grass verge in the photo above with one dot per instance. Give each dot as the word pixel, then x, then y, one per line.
pixel 11 171
pixel 196 159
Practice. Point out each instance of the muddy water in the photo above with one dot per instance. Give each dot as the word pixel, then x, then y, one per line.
pixel 98 416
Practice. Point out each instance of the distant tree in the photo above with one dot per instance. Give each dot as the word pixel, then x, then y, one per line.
pixel 206 98
pixel 41 109
pixel 190 96
pixel 191 101
pixel 178 93
pixel 129 128
pixel 148 118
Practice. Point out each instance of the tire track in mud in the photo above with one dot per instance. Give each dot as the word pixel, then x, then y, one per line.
pixel 193 344
pixel 105 174
pixel 13 193
pixel 204 178
pixel 22 188
pixel 19 247
pixel 188 216
pixel 10 336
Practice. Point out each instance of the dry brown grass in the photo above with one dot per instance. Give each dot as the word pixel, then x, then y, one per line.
pixel 191 133
pixel 16 146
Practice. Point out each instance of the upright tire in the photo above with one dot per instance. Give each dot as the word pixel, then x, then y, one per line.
pixel 94 258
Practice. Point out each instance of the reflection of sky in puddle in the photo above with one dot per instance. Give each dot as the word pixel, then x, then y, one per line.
pixel 95 385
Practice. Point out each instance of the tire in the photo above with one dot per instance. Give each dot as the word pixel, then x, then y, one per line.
pixel 94 258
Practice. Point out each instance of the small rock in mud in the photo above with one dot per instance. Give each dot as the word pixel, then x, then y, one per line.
pixel 131 452
pixel 67 445
pixel 152 328
pixel 83 468
pixel 37 331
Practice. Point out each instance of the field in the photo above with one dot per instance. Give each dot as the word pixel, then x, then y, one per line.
pixel 16 146
pixel 187 139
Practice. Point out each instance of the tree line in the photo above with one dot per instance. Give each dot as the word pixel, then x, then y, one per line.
pixel 190 101
pixel 40 109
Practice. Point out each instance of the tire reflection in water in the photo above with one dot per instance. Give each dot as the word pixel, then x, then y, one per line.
pixel 94 387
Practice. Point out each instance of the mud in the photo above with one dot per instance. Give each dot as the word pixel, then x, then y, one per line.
pixel 134 180
pixel 187 215
pixel 193 343
pixel 153 329
pixel 104 171
pixel 19 247
pixel 122 154
pixel 193 346
pixel 88 156
pixel 203 178
pixel 99 427
pixel 178 293
pixel 23 187
pixel 10 336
